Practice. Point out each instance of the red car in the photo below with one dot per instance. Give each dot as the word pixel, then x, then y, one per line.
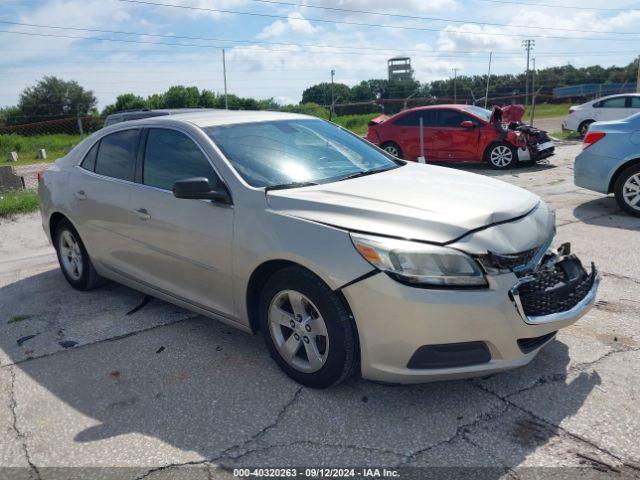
pixel 461 133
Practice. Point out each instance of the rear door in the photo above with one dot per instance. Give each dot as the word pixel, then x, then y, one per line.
pixel 408 128
pixel 181 247
pixel 451 141
pixel 611 109
pixel 101 188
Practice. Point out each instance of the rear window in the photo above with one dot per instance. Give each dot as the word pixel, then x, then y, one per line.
pixel 117 154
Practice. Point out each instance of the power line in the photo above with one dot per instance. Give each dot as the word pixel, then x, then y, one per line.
pixel 361 24
pixel 436 19
pixel 569 7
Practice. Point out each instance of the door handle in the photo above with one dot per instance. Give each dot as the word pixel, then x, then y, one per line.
pixel 142 214
pixel 80 195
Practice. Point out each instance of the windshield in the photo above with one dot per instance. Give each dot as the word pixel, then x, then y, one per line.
pixel 269 154
pixel 479 112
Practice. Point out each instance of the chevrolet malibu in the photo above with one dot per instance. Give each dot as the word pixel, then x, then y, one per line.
pixel 346 259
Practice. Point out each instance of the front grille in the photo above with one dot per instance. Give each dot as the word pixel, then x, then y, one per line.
pixel 551 292
pixel 510 262
pixel 530 344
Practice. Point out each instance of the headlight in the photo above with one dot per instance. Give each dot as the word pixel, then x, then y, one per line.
pixel 419 263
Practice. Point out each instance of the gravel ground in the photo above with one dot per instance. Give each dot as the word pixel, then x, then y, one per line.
pixel 87 386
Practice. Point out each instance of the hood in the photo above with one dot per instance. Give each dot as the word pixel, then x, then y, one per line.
pixel 416 202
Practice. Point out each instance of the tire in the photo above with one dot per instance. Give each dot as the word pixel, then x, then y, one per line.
pixel 626 184
pixel 73 258
pixel 392 149
pixel 331 354
pixel 500 155
pixel 583 128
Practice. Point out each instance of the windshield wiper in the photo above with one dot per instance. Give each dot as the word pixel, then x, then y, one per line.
pixel 288 185
pixel 364 173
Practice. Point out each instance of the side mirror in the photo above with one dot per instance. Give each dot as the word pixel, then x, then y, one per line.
pixel 467 124
pixel 199 188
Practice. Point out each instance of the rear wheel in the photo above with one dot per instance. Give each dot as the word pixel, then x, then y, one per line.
pixel 500 155
pixel 307 329
pixel 583 128
pixel 74 260
pixel 627 190
pixel 392 149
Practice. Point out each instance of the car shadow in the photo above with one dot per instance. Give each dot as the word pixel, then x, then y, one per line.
pixel 605 212
pixel 172 385
pixel 484 169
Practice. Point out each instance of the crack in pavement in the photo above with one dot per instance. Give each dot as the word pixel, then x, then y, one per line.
pixel 226 451
pixel 13 405
pixel 575 436
pixel 97 342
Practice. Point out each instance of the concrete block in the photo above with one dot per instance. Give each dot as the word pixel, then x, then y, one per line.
pixel 9 180
pixel 42 154
pixel 12 157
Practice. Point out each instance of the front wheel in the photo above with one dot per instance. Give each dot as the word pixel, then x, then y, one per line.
pixel 500 155
pixel 627 190
pixel 307 329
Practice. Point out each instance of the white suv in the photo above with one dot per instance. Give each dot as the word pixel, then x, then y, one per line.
pixel 613 107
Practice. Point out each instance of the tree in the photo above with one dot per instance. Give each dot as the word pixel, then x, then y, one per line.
pixel 126 101
pixel 53 98
pixel 321 93
pixel 181 97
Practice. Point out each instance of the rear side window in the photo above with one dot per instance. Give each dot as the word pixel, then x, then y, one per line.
pixel 412 119
pixel 171 156
pixel 635 102
pixel 618 102
pixel 89 162
pixel 117 155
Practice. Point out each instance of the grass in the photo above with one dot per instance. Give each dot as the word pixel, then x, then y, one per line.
pixel 19 201
pixel 356 123
pixel 549 110
pixel 566 135
pixel 27 147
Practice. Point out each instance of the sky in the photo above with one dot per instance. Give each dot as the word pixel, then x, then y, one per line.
pixel 277 48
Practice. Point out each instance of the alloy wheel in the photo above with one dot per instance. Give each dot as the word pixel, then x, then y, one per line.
pixel 392 150
pixel 70 255
pixel 298 331
pixel 501 156
pixel 631 191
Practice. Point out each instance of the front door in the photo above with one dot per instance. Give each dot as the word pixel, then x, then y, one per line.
pixel 611 109
pixel 451 141
pixel 181 247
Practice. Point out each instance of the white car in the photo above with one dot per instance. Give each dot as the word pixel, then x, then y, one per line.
pixel 613 107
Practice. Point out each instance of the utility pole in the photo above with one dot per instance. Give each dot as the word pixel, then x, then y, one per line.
pixel 638 76
pixel 455 86
pixel 224 73
pixel 533 93
pixel 528 45
pixel 486 93
pixel 333 72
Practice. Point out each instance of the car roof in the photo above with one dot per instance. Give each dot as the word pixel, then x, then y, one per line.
pixel 630 94
pixel 210 118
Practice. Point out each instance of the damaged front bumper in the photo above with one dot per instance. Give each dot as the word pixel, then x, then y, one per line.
pixel 559 289
pixel 411 335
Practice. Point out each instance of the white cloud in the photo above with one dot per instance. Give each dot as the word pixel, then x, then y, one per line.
pixel 295 23
pixel 384 6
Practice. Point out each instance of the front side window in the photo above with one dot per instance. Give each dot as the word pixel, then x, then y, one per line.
pixel 117 155
pixel 452 118
pixel 171 156
pixel 268 154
